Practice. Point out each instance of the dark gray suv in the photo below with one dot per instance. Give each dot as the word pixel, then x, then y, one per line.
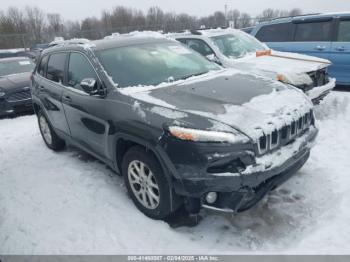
pixel 180 129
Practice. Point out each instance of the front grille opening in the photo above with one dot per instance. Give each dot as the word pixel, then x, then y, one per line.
pixel 274 137
pixel 293 128
pixel 306 119
pixel 263 143
pixel 300 123
pixel 19 96
pixel 284 132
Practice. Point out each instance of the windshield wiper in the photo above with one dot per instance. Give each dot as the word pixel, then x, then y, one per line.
pixel 197 74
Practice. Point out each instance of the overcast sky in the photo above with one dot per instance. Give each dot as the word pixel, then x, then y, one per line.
pixel 78 9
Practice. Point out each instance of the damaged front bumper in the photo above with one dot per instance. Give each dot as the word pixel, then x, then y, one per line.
pixel 239 178
pixel 316 94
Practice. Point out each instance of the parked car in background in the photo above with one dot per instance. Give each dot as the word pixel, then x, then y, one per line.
pixel 35 50
pixel 15 94
pixel 237 49
pixel 179 128
pixel 17 52
pixel 323 35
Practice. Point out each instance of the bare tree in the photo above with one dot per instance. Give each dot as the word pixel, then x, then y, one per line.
pixel 20 27
pixel 233 15
pixel 35 19
pixel 295 12
pixel 55 24
pixel 245 20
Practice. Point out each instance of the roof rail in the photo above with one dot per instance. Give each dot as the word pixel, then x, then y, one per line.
pixel 76 41
pixel 196 32
pixel 291 16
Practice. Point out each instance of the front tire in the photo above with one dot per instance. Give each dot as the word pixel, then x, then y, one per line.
pixel 48 134
pixel 146 183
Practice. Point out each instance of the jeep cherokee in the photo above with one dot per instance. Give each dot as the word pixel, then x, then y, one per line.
pixel 179 128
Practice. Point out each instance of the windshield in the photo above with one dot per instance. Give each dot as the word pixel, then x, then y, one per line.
pixel 152 64
pixel 16 67
pixel 237 45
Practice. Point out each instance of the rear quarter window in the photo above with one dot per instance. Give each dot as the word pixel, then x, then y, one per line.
pixel 313 32
pixel 344 31
pixel 275 33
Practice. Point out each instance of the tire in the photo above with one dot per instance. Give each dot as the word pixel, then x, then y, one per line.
pixel 49 136
pixel 151 185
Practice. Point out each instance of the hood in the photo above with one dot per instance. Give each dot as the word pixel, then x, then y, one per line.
pixel 15 81
pixel 295 66
pixel 248 103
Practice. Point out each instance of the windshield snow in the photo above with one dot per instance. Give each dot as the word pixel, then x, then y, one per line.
pixel 152 64
pixel 237 45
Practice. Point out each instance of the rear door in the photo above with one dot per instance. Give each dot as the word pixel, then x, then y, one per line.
pixel 313 37
pixel 49 88
pixel 340 52
pixel 85 113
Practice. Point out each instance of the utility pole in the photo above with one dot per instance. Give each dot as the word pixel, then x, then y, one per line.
pixel 225 14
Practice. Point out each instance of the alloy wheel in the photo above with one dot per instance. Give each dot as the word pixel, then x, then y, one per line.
pixel 143 184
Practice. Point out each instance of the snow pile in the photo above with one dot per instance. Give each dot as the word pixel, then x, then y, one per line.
pixel 318 91
pixel 69 203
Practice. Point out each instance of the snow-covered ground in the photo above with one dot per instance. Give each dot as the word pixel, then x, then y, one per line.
pixel 69 203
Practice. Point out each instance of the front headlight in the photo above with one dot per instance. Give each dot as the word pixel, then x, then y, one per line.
pixel 296 79
pixel 197 135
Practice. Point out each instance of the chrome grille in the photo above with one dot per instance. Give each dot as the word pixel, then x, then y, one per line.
pixel 19 96
pixel 285 135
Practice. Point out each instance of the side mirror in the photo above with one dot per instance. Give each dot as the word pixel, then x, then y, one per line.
pixel 213 58
pixel 89 85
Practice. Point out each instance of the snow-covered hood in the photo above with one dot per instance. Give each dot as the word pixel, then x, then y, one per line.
pixel 291 65
pixel 248 103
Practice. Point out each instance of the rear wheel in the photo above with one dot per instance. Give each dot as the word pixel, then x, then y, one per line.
pixel 146 183
pixel 50 137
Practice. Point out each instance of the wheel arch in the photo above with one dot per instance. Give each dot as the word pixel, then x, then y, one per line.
pixel 123 142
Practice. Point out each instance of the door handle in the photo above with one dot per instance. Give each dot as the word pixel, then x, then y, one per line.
pixel 341 48
pixel 320 48
pixel 67 99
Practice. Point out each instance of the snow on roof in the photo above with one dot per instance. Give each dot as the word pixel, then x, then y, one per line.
pixel 69 41
pixel 152 34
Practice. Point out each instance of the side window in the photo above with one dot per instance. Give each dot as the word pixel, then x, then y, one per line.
pixel 184 41
pixel 275 33
pixel 344 31
pixel 78 69
pixel 55 67
pixel 42 66
pixel 200 46
pixel 313 32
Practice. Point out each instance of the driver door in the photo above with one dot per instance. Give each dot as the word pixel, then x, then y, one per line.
pixel 85 113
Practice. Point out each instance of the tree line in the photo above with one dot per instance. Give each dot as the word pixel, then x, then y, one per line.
pixel 31 25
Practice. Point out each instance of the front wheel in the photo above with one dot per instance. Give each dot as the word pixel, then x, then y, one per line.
pixel 50 137
pixel 146 183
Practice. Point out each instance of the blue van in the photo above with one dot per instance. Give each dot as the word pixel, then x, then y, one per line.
pixel 323 35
